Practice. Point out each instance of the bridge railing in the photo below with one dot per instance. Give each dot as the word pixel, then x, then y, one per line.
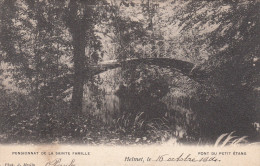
pixel 160 48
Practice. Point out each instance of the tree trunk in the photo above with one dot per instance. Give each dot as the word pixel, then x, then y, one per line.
pixel 78 26
pixel 79 43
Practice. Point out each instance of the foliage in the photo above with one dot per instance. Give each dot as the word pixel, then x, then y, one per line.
pixel 50 48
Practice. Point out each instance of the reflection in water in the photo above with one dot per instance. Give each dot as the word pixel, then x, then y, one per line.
pixel 158 97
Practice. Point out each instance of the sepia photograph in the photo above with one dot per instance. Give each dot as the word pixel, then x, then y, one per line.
pixel 142 73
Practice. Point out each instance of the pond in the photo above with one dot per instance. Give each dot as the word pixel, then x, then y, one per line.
pixel 149 100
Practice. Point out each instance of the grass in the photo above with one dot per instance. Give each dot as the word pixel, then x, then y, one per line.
pixel 228 139
pixel 144 130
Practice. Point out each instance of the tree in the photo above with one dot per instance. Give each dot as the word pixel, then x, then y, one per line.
pixel 231 29
pixel 33 43
pixel 80 22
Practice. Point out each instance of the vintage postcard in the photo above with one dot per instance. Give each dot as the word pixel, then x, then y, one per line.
pixel 129 82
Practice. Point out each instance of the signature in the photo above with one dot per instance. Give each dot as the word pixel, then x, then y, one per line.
pixel 58 162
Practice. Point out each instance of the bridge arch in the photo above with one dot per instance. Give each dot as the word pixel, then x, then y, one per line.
pixel 184 67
